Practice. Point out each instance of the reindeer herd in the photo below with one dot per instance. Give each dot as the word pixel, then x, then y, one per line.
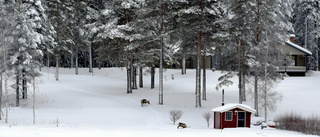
pixel 145 102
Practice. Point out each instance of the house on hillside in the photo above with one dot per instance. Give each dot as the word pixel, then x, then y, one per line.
pixel 191 61
pixel 297 57
pixel 232 116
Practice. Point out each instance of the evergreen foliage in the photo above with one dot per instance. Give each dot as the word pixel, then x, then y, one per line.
pixel 306 23
pixel 242 35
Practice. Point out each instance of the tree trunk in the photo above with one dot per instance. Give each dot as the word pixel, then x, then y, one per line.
pixel 24 85
pixel 183 64
pixel 90 58
pixel 256 101
pixel 4 50
pixel 256 78
pixel 1 96
pixel 265 85
pixel 140 77
pixel 134 78
pixel 71 58
pixel 161 57
pixel 198 72
pixel 7 94
pixel 161 74
pixel 77 60
pixel 152 76
pixel 99 63
pixel 48 60
pixel 57 68
pixel 17 88
pixel 239 73
pixel 24 88
pixel 57 40
pixel 34 101
pixel 129 85
pixel 204 79
pixel 48 64
pixel 244 98
pixel 265 96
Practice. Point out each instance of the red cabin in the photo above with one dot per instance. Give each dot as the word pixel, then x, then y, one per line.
pixel 232 116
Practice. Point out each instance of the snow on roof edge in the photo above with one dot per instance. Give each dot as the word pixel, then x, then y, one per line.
pixel 298 47
pixel 232 106
pixel 292 35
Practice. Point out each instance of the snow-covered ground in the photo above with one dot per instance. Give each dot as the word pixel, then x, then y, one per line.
pixel 96 105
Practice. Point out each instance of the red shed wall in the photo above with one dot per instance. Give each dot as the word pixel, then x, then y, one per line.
pixel 248 119
pixel 217 120
pixel 229 124
pixel 234 122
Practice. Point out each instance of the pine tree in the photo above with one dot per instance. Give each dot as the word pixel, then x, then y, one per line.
pixel 254 54
pixel 114 30
pixel 271 34
pixel 306 23
pixel 200 19
pixel 48 41
pixel 153 21
pixel 247 34
pixel 77 38
pixel 55 16
pixel 239 37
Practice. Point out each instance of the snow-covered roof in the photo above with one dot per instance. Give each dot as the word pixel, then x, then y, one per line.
pixel 298 47
pixel 292 35
pixel 228 107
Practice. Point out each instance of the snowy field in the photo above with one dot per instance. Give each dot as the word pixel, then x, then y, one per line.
pixel 96 105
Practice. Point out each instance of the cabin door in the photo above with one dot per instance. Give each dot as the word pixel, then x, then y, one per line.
pixel 241 119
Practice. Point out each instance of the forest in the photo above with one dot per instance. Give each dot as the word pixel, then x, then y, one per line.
pixel 242 36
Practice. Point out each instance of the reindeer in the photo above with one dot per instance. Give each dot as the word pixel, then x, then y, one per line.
pixel 183 125
pixel 144 102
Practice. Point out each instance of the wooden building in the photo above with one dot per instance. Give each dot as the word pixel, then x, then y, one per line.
pixel 297 59
pixel 232 116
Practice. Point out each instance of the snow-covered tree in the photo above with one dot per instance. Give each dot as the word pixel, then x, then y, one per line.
pixel 6 38
pixel 267 55
pixel 249 36
pixel 153 22
pixel 79 35
pixel 47 30
pixel 61 16
pixel 25 54
pixel 237 38
pixel 306 22
pixel 55 18
pixel 199 19
pixel 115 32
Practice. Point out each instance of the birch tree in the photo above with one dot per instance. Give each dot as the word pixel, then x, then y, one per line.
pixel 6 38
pixel 278 13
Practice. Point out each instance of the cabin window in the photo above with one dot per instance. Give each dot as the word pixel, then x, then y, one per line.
pixel 292 61
pixel 229 116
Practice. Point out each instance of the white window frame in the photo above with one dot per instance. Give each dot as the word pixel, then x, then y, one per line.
pixel 230 116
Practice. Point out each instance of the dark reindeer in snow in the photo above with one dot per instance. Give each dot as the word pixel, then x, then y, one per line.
pixel 183 125
pixel 144 102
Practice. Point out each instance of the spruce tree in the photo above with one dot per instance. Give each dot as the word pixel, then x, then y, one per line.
pixel 25 54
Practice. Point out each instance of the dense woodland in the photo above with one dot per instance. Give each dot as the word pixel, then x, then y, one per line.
pixel 243 36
